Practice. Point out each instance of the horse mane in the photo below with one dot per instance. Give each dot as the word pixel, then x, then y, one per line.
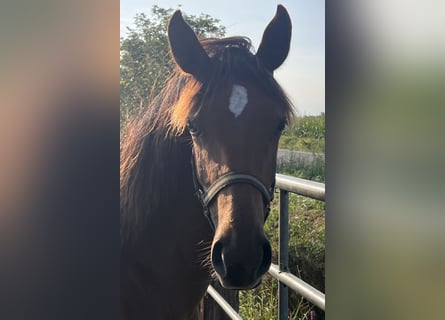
pixel 156 137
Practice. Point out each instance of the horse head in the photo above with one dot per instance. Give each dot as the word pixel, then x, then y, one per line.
pixel 237 114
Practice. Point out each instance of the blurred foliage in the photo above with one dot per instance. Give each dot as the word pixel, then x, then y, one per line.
pixel 145 62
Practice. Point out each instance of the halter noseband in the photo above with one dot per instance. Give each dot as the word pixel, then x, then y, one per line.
pixel 206 197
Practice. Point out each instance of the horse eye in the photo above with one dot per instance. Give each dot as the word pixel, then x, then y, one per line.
pixel 281 127
pixel 194 131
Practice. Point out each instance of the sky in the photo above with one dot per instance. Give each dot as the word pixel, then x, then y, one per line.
pixel 302 75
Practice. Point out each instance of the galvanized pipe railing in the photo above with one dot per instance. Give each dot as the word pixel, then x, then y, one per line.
pixel 307 188
pixel 303 187
pixel 310 293
pixel 223 304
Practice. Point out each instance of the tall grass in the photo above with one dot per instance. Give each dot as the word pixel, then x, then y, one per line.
pixel 293 167
pixel 305 134
pixel 308 127
pixel 302 144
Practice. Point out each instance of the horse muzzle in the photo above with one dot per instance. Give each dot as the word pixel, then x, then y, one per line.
pixel 238 266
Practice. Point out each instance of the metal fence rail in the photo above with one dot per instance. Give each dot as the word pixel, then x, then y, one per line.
pixel 307 188
pixel 223 304
pixel 303 187
pixel 310 293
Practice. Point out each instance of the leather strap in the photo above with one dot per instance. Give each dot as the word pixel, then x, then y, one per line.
pixel 235 178
pixel 206 197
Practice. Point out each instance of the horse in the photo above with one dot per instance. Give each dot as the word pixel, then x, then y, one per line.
pixel 198 171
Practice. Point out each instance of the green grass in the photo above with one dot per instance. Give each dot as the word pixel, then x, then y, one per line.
pixel 307 127
pixel 305 134
pixel 261 302
pixel 307 144
pixel 314 172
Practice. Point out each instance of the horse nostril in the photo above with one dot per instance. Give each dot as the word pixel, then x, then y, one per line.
pixel 217 259
pixel 267 259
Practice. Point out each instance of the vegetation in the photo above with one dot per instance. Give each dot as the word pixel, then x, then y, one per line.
pixel 145 62
pixel 306 134
pixel 313 171
pixel 145 65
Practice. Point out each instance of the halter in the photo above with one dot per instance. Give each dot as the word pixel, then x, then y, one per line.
pixel 207 196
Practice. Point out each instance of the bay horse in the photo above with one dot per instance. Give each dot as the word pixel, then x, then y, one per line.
pixel 198 170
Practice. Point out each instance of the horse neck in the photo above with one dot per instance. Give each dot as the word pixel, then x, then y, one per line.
pixel 169 167
pixel 166 248
pixel 160 187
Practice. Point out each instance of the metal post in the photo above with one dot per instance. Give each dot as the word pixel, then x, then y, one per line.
pixel 283 254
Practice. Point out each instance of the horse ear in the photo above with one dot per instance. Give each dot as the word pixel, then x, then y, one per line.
pixel 185 48
pixel 275 43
